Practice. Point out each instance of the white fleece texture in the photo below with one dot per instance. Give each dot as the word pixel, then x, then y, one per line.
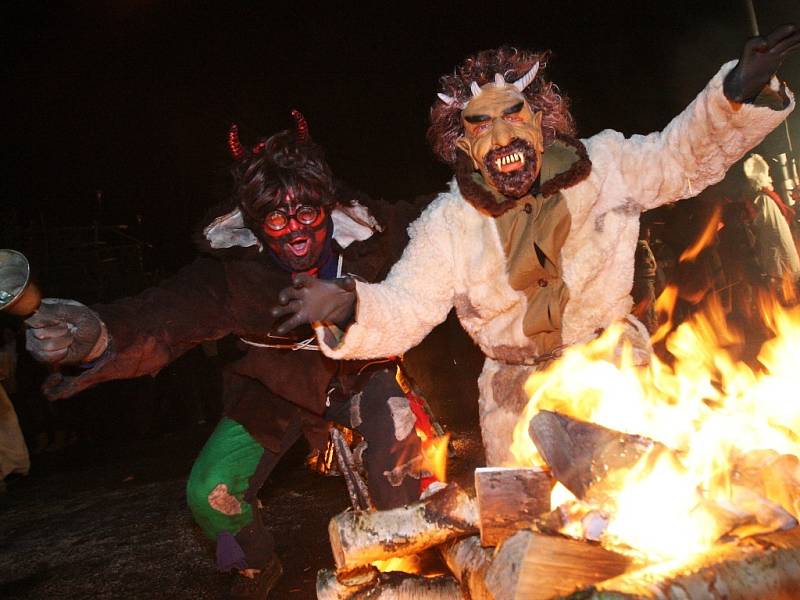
pixel 455 257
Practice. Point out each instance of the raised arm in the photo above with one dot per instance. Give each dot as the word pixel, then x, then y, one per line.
pixel 737 109
pixel 389 317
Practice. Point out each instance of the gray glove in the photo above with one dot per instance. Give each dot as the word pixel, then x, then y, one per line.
pixel 312 300
pixel 65 332
pixel 761 57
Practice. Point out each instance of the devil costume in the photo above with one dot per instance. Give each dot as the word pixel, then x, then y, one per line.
pixel 554 267
pixel 281 387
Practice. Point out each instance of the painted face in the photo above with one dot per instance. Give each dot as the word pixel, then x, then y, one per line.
pixel 296 233
pixel 504 139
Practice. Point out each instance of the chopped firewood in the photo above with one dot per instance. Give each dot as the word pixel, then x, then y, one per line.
pixel 510 499
pixel 772 475
pixel 581 453
pixel 356 488
pixel 532 566
pixel 389 586
pixel 469 561
pixel 762 567
pixel 360 537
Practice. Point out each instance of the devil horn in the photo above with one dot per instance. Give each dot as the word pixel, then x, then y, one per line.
pixel 475 89
pixel 526 79
pixel 499 80
pixel 234 144
pixel 301 125
pixel 450 101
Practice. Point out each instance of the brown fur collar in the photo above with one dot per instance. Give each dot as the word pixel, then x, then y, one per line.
pixel 484 200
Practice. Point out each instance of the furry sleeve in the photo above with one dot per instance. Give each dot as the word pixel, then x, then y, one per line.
pixel 396 314
pixel 692 152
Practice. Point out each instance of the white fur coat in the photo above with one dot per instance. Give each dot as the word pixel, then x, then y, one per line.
pixel 455 258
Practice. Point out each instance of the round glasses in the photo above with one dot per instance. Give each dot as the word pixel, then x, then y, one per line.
pixel 278 219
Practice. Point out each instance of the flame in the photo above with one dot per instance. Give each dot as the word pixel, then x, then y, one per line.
pixel 434 455
pixel 705 238
pixel 711 414
pixel 406 564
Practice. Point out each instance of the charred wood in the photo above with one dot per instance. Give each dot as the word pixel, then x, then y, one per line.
pixel 581 453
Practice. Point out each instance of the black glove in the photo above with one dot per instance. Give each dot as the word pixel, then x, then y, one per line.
pixel 312 300
pixel 65 332
pixel 761 57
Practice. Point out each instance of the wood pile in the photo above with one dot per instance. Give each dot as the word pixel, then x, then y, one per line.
pixel 503 543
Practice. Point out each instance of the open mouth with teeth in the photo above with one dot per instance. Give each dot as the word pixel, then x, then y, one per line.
pixel 299 246
pixel 510 162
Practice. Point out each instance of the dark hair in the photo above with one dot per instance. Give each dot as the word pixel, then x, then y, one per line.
pixel 262 179
pixel 542 95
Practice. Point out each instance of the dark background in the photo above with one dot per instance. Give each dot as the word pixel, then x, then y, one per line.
pixel 135 97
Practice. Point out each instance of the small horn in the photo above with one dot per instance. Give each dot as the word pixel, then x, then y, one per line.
pixel 450 101
pixel 234 144
pixel 301 125
pixel 475 89
pixel 526 79
pixel 499 80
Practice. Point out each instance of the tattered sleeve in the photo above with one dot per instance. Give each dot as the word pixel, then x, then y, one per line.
pixel 150 330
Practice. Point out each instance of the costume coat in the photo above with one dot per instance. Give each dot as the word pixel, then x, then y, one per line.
pixel 456 256
pixel 230 289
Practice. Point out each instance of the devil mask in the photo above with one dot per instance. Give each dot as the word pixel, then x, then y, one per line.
pixel 503 138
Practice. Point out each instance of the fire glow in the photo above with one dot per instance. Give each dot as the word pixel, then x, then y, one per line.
pixel 731 465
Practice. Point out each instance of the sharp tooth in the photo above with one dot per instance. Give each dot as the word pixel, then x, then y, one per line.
pixel 497 162
pixel 519 156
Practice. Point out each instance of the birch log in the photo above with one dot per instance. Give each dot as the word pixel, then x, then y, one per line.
pixel 760 568
pixel 389 586
pixel 468 560
pixel 360 537
pixel 535 566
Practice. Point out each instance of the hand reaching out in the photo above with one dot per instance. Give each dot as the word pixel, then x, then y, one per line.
pixel 761 57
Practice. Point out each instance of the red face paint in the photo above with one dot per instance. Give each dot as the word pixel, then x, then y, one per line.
pixel 296 233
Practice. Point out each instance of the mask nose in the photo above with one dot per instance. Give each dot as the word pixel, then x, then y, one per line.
pixel 501 133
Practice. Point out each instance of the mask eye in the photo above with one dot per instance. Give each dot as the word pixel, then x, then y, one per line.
pixel 306 214
pixel 276 220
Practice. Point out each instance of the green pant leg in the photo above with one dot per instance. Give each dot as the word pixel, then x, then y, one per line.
pixel 229 457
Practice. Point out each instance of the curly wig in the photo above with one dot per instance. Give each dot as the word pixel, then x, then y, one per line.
pixel 542 95
pixel 285 161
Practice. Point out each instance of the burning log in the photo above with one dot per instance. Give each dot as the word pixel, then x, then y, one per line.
pixel 469 561
pixel 581 453
pixel 765 566
pixel 536 566
pixel 510 499
pixel 389 586
pixel 360 537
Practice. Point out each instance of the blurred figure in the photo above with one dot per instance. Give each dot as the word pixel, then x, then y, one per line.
pixel 13 451
pixel 644 281
pixel 775 249
pixel 737 247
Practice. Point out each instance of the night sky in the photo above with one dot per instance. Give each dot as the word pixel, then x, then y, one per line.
pixel 135 97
